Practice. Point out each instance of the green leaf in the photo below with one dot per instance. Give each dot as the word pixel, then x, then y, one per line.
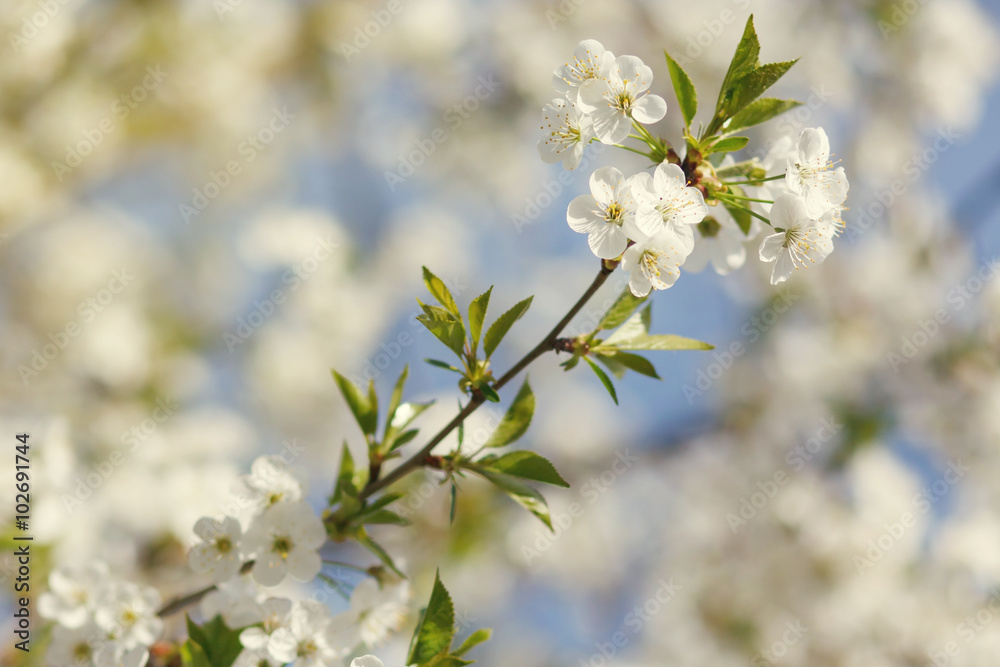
pixel 521 493
pixel 760 111
pixel 728 145
pixel 634 362
pixel 219 645
pixel 477 314
pixel 475 639
pixel 502 325
pixel 745 60
pixel 526 465
pixel 687 97
pixel 616 369
pixel 452 661
pixel 662 342
pixel 403 438
pixel 380 553
pixel 621 309
pixel 402 416
pixel 397 396
pixel 635 327
pixel 517 419
pixel 436 627
pixel 451 332
pixel 443 364
pixel 489 393
pixel 347 482
pixel 454 502
pixel 193 655
pixel 364 410
pixel 754 83
pixel 385 517
pixel 605 380
pixel 439 291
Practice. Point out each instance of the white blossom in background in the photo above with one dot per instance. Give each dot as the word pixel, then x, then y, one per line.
pixel 617 99
pixel 603 214
pixel 284 540
pixel 271 481
pixel 590 61
pixel 719 240
pixel 218 553
pixel 810 174
pixel 128 613
pixel 798 241
pixel 379 610
pixel 565 133
pixel 72 595
pixel 238 601
pixel 275 614
pixel 312 637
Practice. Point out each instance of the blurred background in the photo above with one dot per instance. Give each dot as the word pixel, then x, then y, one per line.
pixel 204 206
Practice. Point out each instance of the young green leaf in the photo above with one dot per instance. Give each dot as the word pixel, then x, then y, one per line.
pixel 443 364
pixel 193 655
pixel 489 393
pixel 347 482
pixel 687 97
pixel 517 419
pixel 397 396
pixel 605 380
pixel 436 628
pixel 741 215
pixel 633 362
pixel 521 493
pixel 477 314
pixel 403 438
pixel 380 553
pixel 634 327
pixel 754 83
pixel 473 640
pixel 439 291
pixel 616 369
pixel 402 416
pixel 526 465
pixel 364 411
pixel 728 145
pixel 454 502
pixel 662 342
pixel 621 309
pixel 759 111
pixel 383 516
pixel 219 645
pixel 451 332
pixel 502 325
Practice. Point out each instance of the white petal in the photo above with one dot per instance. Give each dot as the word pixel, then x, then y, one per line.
pixel 592 96
pixel 783 268
pixel 814 146
pixel 649 109
pixel 303 565
pixel 610 125
pixel 608 242
pixel 634 71
pixel 604 182
pixel 367 661
pixel 582 216
pixel 269 569
pixel 771 246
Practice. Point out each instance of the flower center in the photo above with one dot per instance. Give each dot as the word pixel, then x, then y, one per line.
pixel 282 546
pixel 614 213
pixel 82 651
pixel 223 545
pixel 129 617
pixel 792 237
pixel 623 101
pixel 307 648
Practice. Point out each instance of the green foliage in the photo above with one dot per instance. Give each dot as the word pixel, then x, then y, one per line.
pixel 502 325
pixel 519 492
pixel 477 314
pixel 364 408
pixel 446 327
pixel 741 215
pixel 621 310
pixel 517 419
pixel 526 465
pixel 605 380
pixel 211 645
pixel 727 145
pixel 435 631
pixel 759 111
pixel 440 291
pixel 687 97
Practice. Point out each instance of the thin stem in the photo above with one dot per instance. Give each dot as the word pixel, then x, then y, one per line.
pixel 634 150
pixel 760 180
pixel 725 195
pixel 546 344
pixel 179 603
pixel 647 137
pixel 751 212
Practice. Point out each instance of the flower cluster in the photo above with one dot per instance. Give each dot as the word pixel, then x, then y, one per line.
pixel 649 222
pixel 100 620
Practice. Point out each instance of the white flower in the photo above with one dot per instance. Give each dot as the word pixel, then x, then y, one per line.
pixel 367 661
pixel 590 61
pixel 77 645
pixel 379 610
pixel 565 133
pixel 275 615
pixel 72 594
pixel 613 101
pixel 803 241
pixel 312 638
pixel 810 173
pixel 654 263
pixel 602 214
pixel 218 554
pixel 285 539
pixel 114 655
pixel 271 481
pixel 665 201
pixel 127 612
pixel 720 241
